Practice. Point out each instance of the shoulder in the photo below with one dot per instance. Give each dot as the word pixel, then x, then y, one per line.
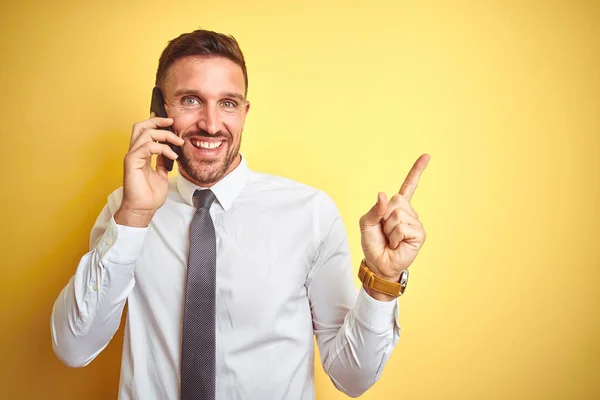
pixel 263 182
pixel 273 188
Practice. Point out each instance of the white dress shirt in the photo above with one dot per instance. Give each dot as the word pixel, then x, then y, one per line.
pixel 283 274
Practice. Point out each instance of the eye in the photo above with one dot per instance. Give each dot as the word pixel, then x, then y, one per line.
pixel 229 104
pixel 190 101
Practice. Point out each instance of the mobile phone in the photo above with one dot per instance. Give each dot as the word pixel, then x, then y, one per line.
pixel 157 106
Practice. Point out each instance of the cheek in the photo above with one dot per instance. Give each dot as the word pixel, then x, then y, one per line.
pixel 233 124
pixel 182 122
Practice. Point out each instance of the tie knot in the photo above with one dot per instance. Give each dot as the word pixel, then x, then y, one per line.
pixel 203 198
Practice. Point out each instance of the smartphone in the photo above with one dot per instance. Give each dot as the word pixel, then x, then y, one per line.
pixel 157 106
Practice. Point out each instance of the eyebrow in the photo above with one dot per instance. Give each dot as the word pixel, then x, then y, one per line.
pixel 187 92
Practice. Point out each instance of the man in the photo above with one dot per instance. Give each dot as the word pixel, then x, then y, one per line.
pixel 228 273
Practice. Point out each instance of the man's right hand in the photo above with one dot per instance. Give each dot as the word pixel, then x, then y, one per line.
pixel 145 189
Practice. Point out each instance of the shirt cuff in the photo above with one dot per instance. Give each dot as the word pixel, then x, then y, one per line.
pixel 374 313
pixel 121 244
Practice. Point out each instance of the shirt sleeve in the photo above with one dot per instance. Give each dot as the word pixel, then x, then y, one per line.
pixel 355 333
pixel 87 313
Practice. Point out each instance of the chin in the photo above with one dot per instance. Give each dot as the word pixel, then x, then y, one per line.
pixel 204 173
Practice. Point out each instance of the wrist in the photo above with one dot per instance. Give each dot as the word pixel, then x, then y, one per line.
pixel 134 218
pixel 391 278
pixel 382 288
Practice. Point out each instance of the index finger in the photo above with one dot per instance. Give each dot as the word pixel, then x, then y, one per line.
pixel 156 135
pixel 412 179
pixel 151 123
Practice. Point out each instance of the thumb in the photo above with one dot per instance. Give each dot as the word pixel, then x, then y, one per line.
pixel 376 213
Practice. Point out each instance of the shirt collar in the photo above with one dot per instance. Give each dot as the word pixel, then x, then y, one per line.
pixel 225 190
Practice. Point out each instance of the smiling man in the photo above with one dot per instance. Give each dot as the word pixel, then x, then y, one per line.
pixel 191 88
pixel 229 273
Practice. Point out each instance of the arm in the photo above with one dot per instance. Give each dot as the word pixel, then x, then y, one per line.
pixel 355 334
pixel 88 311
pixel 355 352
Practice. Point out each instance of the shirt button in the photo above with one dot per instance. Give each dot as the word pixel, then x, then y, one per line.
pixel 109 241
pixel 96 286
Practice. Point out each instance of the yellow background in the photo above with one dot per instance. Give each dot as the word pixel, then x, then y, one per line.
pixel 503 300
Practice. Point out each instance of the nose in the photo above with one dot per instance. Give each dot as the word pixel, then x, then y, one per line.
pixel 209 119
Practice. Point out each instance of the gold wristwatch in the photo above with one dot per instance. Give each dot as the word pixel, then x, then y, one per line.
pixel 372 281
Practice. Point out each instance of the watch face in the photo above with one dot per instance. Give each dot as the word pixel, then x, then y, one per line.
pixel 404 278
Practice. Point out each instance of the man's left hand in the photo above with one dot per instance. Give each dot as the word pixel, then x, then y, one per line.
pixel 391 233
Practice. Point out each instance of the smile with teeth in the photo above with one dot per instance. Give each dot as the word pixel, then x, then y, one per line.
pixel 206 145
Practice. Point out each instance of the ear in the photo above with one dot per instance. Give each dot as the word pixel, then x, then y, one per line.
pixel 245 112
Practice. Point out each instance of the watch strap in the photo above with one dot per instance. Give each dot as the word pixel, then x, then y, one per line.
pixel 372 281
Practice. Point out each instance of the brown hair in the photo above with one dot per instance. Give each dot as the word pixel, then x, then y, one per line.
pixel 201 43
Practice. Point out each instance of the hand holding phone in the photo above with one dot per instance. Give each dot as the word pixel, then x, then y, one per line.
pixel 157 106
pixel 145 188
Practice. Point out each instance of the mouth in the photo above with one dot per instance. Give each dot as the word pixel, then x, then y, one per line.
pixel 207 147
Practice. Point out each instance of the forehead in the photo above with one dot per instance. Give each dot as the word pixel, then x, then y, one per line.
pixel 204 74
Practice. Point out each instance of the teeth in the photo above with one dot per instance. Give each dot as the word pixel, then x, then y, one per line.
pixel 206 145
